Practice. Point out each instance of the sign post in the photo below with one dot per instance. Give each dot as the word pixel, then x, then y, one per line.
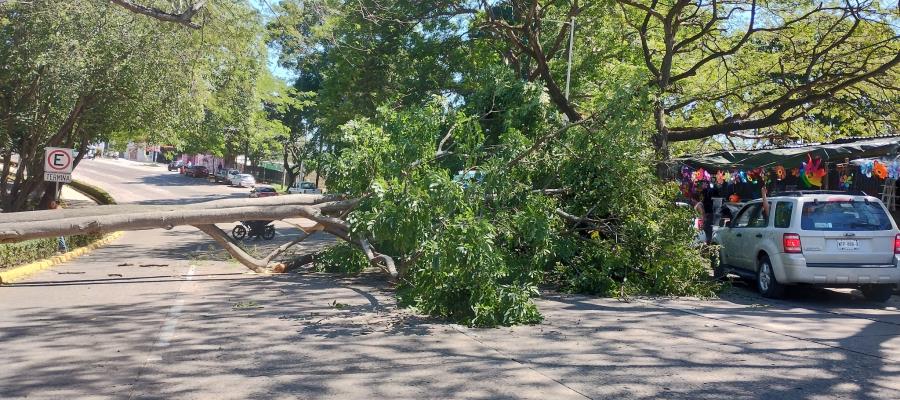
pixel 58 165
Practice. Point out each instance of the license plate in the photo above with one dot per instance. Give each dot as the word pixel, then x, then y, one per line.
pixel 848 244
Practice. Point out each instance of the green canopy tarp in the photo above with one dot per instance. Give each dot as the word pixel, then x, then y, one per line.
pixel 792 157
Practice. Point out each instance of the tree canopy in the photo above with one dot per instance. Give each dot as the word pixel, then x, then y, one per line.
pixel 485 170
pixel 78 72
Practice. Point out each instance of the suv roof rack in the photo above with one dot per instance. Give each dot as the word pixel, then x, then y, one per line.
pixel 798 193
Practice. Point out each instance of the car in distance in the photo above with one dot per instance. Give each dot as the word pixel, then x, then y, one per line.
pixel 197 171
pixel 828 239
pixel 304 188
pixel 243 180
pixel 226 175
pixel 263 191
pixel 175 165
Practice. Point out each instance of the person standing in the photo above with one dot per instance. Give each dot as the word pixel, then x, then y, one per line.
pixel 705 207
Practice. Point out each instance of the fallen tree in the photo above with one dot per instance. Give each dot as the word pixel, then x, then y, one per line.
pixel 324 212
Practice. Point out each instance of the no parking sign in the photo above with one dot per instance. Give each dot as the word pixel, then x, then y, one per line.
pixel 58 164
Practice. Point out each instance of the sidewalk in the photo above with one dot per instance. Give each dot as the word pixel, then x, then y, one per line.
pixel 74 199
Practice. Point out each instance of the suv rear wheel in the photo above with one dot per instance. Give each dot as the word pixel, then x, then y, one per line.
pixel 766 283
pixel 879 293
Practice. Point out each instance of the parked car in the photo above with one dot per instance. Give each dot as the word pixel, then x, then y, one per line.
pixel 263 191
pixel 226 175
pixel 197 171
pixel 304 188
pixel 175 165
pixel 242 180
pixel 829 239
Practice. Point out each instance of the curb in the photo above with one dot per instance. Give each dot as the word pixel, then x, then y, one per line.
pixel 23 271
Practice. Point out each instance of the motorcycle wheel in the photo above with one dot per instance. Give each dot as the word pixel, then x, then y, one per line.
pixel 239 232
pixel 269 233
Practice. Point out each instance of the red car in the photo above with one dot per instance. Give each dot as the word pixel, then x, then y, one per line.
pixel 263 191
pixel 197 171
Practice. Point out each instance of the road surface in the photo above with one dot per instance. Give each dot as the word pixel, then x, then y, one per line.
pixel 157 314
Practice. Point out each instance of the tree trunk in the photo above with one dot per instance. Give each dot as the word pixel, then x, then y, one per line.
pixel 7 160
pixel 16 227
pixel 661 141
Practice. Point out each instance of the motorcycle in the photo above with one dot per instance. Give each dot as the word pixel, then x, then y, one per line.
pixel 256 228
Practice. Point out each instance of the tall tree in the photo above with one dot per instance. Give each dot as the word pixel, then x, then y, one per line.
pixel 75 72
pixel 755 68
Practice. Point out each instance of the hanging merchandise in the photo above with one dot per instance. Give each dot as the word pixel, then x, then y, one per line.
pixel 735 177
pixel 686 172
pixel 894 170
pixel 846 181
pixel 761 175
pixel 811 172
pixel 795 171
pixel 720 178
pixel 880 170
pixel 742 176
pixel 780 173
pixel 866 168
pixel 753 175
pixel 701 175
pixel 750 176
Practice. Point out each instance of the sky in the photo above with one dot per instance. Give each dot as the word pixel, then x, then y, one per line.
pixel 266 8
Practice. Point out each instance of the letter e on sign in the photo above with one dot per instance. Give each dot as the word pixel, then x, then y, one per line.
pixel 58 160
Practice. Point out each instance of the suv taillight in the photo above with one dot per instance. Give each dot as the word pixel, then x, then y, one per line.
pixel 792 243
pixel 897 244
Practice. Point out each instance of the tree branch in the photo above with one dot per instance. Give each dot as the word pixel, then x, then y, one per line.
pixel 184 18
pixel 544 139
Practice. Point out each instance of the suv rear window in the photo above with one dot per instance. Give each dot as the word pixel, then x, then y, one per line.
pixel 844 216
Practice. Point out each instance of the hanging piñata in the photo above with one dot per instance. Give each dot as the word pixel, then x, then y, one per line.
pixel 846 181
pixel 866 168
pixel 701 175
pixel 720 178
pixel 894 170
pixel 812 172
pixel 780 173
pixel 880 170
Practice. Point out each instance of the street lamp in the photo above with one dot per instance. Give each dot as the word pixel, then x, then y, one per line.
pixel 571 23
pixel 571 45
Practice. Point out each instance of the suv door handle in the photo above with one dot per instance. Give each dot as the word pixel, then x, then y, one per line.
pixel 739 235
pixel 759 235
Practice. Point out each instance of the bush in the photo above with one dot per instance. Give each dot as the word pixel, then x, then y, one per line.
pixel 341 258
pixel 98 195
pixel 14 254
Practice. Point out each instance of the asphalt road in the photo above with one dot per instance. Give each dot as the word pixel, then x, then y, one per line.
pixel 160 314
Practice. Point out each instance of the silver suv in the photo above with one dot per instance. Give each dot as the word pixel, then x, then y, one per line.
pixel 823 238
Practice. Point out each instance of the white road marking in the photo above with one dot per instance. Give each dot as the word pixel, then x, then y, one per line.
pixel 167 332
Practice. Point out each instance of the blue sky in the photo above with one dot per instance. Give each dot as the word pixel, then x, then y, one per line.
pixel 265 7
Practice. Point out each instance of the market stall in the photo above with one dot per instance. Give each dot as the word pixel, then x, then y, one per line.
pixel 869 165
